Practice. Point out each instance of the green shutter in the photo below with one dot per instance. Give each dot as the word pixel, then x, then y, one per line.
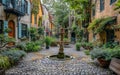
pixel 29 8
pixel 19 30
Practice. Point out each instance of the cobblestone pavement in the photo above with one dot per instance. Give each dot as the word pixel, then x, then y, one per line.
pixel 38 64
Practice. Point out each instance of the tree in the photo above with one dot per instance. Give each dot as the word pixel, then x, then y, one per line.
pixel 82 9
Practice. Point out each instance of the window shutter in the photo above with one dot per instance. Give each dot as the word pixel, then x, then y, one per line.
pixel 23 5
pixel 29 8
pixel 5 26
pixel 19 30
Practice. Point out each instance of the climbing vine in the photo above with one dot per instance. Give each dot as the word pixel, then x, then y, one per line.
pixel 35 7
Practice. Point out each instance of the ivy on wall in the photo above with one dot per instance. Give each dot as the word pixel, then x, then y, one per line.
pixel 103 24
pixel 35 7
pixel 98 25
pixel 94 23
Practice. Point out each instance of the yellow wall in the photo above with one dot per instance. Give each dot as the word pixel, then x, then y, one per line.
pixel 39 15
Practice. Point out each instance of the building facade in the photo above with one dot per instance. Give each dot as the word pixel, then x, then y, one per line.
pixel 12 15
pixel 36 21
pixel 104 9
pixel 46 20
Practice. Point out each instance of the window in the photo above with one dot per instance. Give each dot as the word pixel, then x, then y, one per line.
pixel 1 26
pixel 26 6
pixel 112 1
pixel 93 11
pixel 102 5
pixel 24 30
pixel 0 1
pixel 35 19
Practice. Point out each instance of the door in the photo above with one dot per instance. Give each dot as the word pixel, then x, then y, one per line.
pixel 11 25
pixel 110 35
pixel 73 39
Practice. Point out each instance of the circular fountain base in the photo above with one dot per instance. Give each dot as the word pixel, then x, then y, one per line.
pixel 56 57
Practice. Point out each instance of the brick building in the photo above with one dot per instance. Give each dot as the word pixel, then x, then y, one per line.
pixel 111 31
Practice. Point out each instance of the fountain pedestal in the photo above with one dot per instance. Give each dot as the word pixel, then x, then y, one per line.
pixel 61 54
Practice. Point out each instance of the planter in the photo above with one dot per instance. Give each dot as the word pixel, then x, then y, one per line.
pixel 115 65
pixel 2 71
pixel 103 63
pixel 47 47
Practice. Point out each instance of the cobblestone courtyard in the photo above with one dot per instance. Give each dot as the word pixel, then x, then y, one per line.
pixel 38 64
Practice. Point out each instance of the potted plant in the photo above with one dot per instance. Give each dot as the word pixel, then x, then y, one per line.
pixel 103 56
pixel 78 46
pixel 47 41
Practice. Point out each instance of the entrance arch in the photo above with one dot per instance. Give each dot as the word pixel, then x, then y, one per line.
pixel 11 25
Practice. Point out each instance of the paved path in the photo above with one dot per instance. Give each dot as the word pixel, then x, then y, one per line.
pixel 38 64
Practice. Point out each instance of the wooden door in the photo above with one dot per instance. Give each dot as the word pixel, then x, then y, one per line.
pixel 11 25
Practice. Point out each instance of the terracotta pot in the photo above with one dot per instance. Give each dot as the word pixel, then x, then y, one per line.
pixel 2 71
pixel 103 63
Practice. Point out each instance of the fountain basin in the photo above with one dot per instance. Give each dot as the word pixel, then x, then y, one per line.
pixel 55 57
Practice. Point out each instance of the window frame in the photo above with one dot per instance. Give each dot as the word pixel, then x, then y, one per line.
pixel 24 31
pixel 26 6
pixel 102 5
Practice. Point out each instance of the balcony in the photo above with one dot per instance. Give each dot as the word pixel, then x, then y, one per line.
pixel 16 7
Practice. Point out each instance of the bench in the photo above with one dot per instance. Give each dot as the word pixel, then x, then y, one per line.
pixel 115 65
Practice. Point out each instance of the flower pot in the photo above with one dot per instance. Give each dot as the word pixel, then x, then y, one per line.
pixel 2 71
pixel 47 47
pixel 103 63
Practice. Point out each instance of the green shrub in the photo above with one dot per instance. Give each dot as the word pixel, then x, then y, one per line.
pixel 110 45
pixel 78 45
pixel 53 41
pixel 32 47
pixel 14 55
pixel 4 62
pixel 116 52
pixel 21 45
pixel 105 53
pixel 66 40
pixel 87 52
pixel 48 40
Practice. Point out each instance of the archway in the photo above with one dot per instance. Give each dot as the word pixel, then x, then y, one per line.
pixel 11 25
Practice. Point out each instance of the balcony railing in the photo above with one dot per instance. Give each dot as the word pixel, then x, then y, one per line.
pixel 16 7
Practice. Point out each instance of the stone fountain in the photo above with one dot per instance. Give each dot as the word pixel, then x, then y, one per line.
pixel 61 54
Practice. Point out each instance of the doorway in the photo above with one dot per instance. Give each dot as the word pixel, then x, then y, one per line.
pixel 11 25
